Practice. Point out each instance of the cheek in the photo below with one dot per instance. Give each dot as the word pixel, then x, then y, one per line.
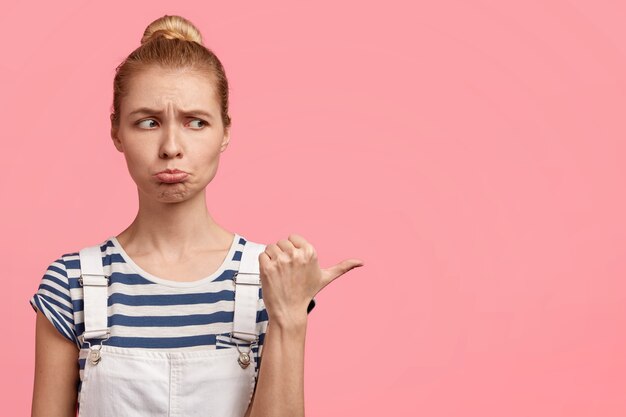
pixel 206 162
pixel 203 154
pixel 138 160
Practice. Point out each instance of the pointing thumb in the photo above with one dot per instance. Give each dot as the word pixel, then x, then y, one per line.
pixel 341 268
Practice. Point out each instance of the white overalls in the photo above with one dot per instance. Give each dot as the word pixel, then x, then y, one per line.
pixel 198 382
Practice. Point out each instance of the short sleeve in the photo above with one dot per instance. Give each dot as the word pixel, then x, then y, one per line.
pixel 53 299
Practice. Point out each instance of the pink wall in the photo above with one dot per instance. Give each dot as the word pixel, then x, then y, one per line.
pixel 470 152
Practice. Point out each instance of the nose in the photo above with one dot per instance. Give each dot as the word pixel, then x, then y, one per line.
pixel 170 143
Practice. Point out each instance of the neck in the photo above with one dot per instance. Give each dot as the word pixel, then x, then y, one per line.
pixel 174 228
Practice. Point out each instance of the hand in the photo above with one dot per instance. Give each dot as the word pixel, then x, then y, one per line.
pixel 291 277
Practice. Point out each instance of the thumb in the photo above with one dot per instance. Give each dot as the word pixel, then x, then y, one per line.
pixel 332 273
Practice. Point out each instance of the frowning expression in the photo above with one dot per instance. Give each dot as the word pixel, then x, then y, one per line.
pixel 170 119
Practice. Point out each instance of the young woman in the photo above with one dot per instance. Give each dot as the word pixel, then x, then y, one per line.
pixel 171 316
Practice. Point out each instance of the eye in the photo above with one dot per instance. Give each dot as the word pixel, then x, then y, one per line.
pixel 147 123
pixel 198 123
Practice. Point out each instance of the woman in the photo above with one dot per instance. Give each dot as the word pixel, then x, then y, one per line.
pixel 171 291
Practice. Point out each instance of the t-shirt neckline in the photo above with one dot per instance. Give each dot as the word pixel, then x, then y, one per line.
pixel 150 277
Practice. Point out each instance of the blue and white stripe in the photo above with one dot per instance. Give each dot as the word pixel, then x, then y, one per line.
pixel 145 311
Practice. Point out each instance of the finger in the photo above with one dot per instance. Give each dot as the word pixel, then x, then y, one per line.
pixel 301 243
pixel 341 268
pixel 297 240
pixel 263 258
pixel 286 246
pixel 272 250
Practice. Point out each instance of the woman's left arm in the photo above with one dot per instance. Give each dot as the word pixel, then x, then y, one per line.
pixel 290 278
pixel 280 387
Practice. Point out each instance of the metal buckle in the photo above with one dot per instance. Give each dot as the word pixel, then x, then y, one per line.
pixel 245 357
pixel 245 283
pixel 82 339
pixel 80 280
pixel 253 342
pixel 94 355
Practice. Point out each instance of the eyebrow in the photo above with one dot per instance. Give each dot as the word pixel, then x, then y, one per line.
pixel 146 110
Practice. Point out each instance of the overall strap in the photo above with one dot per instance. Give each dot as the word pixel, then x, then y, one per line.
pixel 95 293
pixel 247 282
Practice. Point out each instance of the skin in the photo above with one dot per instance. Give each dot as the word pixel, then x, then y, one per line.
pixel 56 372
pixel 174 237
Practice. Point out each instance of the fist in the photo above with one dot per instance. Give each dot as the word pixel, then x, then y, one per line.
pixel 291 277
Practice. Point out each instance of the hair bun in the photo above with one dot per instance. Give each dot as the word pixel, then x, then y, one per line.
pixel 172 27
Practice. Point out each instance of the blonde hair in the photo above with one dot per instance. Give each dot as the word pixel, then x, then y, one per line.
pixel 171 42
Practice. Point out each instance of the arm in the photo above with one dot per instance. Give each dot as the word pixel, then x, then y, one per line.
pixel 290 279
pixel 56 372
pixel 280 388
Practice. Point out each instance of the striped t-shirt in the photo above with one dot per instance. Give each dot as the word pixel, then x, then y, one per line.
pixel 145 311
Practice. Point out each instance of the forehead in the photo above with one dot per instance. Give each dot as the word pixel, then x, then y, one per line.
pixel 157 87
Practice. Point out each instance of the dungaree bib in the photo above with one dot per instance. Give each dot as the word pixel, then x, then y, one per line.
pixel 201 382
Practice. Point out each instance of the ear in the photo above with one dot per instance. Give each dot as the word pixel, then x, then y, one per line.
pixel 225 140
pixel 114 135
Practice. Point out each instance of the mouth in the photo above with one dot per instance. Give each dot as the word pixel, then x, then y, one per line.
pixel 171 176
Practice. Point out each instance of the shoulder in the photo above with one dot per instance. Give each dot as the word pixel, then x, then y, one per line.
pixel 61 274
pixel 72 260
pixel 53 297
pixel 244 243
pixel 248 253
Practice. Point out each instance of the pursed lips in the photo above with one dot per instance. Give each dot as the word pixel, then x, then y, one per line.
pixel 171 176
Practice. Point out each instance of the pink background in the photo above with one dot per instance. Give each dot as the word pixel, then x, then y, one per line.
pixel 470 152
